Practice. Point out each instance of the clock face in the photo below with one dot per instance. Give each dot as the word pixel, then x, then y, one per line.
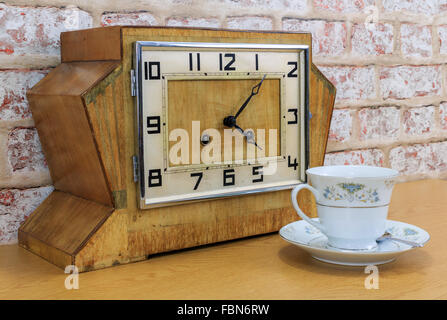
pixel 219 119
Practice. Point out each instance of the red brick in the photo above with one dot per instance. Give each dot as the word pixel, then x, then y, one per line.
pixel 13 87
pixel 443 115
pixel 128 19
pixel 15 207
pixel 328 38
pixel 411 6
pixel 341 125
pixel 404 82
pixel 420 158
pixel 419 121
pixel 352 82
pixel 250 23
pixel 24 150
pixel 415 40
pixel 376 39
pixel 343 6
pixel 193 22
pixel 370 157
pixel 36 30
pixel 379 123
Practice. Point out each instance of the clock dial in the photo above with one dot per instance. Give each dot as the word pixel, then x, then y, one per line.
pixel 219 120
pixel 211 107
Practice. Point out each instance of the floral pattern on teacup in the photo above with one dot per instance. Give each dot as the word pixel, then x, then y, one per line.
pixel 351 192
pixel 351 187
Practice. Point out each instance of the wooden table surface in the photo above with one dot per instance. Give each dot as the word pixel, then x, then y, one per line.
pixel 263 267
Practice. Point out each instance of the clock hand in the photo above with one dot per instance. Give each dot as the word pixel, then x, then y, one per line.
pixel 239 128
pixel 251 139
pixel 254 91
pixel 230 121
pixel 248 136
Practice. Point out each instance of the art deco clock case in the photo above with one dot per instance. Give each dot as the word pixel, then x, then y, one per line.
pixel 159 139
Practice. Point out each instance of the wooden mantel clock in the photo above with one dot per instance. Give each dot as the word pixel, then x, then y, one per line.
pixel 159 139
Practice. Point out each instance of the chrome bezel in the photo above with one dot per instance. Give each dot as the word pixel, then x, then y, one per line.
pixel 138 47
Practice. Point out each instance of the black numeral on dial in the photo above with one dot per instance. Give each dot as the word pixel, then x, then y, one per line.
pixel 257 61
pixel 294 72
pixel 197 174
pixel 153 124
pixel 191 62
pixel 228 66
pixel 152 70
pixel 258 171
pixel 155 178
pixel 228 177
pixel 293 164
pixel 295 114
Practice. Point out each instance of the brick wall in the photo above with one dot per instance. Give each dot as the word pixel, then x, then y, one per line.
pixel 391 107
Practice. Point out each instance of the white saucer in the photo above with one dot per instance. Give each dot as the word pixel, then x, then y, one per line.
pixel 307 237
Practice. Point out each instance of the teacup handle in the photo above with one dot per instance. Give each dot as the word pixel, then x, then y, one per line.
pixel 316 193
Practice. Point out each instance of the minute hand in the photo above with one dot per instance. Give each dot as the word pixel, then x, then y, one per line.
pixel 254 91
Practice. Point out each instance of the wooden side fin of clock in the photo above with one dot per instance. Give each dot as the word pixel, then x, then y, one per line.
pixel 86 117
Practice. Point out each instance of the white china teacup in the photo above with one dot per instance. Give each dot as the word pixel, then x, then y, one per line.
pixel 352 203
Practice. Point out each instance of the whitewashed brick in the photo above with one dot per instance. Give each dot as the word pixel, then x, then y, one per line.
pixel 250 23
pixel 15 206
pixel 369 157
pixel 442 5
pixel 404 82
pixel 419 121
pixel 193 22
pixel 24 150
pixel 442 34
pixel 129 19
pixel 352 82
pixel 341 126
pixel 292 5
pixel 443 115
pixel 13 87
pixel 376 39
pixel 419 158
pixel 415 40
pixel 379 123
pixel 328 38
pixel 343 6
pixel 29 30
pixel 427 7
